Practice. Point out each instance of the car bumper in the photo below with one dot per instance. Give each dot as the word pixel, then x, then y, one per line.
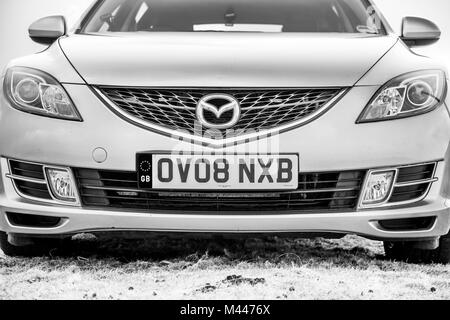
pixel 330 143
pixel 366 224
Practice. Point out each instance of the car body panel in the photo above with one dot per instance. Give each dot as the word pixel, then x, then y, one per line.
pixel 52 61
pixel 225 60
pixel 400 60
pixel 363 224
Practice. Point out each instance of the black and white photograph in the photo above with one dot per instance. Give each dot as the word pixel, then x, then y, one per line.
pixel 224 151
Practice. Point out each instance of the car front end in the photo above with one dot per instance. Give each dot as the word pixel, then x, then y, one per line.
pixel 342 134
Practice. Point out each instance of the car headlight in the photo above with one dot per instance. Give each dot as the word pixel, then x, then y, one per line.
pixel 408 95
pixel 37 92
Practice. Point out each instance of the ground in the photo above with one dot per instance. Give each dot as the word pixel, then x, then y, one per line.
pixel 274 268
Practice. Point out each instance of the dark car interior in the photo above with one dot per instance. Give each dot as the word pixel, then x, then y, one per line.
pixel 326 16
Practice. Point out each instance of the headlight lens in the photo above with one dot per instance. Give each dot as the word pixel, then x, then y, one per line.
pixel 36 92
pixel 408 95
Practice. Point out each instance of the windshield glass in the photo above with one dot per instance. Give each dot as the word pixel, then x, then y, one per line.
pixel 325 16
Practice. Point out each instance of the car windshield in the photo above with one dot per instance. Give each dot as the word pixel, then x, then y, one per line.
pixel 318 16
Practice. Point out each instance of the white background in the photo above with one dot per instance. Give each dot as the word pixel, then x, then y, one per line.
pixel 17 15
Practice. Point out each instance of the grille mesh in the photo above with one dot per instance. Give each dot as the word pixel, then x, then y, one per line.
pixel 260 109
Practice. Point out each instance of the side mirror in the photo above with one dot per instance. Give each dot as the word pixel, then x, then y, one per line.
pixel 419 32
pixel 48 30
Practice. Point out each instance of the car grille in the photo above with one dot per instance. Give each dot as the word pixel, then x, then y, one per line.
pixel 317 191
pixel 260 109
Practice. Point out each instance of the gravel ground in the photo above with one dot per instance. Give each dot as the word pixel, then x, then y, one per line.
pixel 274 268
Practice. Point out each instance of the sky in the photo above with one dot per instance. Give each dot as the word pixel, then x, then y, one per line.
pixel 17 15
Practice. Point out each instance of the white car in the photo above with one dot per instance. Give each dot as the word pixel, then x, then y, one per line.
pixel 303 118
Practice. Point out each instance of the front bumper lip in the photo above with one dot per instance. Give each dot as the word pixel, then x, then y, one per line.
pixel 364 223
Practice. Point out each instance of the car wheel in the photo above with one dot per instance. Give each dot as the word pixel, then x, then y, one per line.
pixel 406 252
pixel 40 247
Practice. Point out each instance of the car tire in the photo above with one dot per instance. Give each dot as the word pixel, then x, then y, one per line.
pixel 40 247
pixel 406 252
pixel 444 250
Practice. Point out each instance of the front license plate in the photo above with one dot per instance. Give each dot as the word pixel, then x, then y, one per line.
pixel 217 172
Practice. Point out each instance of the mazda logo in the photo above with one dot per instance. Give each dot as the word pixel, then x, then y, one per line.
pixel 218 111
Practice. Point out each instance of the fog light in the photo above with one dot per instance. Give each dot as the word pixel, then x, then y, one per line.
pixel 378 188
pixel 61 184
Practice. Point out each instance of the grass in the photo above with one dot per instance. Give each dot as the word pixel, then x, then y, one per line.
pixel 274 268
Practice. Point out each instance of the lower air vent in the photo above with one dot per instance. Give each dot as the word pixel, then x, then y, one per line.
pixel 413 183
pixel 414 224
pixel 323 192
pixel 32 221
pixel 29 180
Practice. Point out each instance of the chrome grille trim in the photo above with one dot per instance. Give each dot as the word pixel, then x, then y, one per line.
pixel 415 183
pixel 178 132
pixel 26 179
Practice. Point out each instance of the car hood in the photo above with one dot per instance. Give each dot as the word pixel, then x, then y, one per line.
pixel 224 59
